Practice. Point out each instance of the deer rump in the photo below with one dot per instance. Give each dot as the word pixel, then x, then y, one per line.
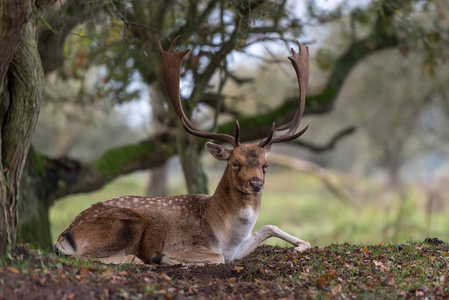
pixel 190 229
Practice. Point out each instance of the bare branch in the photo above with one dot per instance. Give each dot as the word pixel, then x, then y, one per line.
pixel 328 179
pixel 330 145
pixel 127 23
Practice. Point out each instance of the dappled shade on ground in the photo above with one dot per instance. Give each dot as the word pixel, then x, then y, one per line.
pixel 415 269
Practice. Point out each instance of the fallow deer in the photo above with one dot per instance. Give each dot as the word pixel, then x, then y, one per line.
pixel 191 229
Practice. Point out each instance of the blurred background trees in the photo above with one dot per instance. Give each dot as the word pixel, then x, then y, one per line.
pixel 378 68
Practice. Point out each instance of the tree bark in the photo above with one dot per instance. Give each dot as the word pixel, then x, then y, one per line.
pixel 14 16
pixel 157 183
pixel 157 179
pixel 20 100
pixel 34 206
pixel 190 156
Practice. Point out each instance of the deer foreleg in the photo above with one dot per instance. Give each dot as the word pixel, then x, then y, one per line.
pixel 266 232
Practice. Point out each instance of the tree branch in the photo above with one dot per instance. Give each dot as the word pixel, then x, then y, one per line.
pixel 66 176
pixel 328 179
pixel 257 126
pixel 330 145
pixel 71 14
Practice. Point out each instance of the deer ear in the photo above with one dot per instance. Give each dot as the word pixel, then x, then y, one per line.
pixel 218 151
pixel 267 149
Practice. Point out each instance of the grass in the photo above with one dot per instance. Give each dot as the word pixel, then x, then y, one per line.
pixel 415 269
pixel 300 205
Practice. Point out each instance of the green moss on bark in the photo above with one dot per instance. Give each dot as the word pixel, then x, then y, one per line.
pixel 112 161
pixel 117 160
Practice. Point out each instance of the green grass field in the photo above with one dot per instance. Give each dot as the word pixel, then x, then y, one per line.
pixel 300 205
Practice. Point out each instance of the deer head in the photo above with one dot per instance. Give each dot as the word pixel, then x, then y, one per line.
pixel 246 163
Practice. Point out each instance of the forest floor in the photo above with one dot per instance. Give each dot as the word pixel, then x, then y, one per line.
pixel 341 271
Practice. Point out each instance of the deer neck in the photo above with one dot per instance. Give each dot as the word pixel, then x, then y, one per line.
pixel 231 200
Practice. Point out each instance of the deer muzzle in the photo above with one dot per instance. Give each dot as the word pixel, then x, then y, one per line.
pixel 256 184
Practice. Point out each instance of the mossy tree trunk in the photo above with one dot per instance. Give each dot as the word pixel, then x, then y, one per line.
pixel 34 205
pixel 190 156
pixel 21 89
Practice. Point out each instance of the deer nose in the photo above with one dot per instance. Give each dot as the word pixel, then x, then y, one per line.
pixel 256 185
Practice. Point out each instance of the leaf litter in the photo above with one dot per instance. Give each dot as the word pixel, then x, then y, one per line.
pixel 340 271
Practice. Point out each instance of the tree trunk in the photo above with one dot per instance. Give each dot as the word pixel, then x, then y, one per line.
pixel 34 204
pixel 157 181
pixel 20 97
pixel 157 184
pixel 190 157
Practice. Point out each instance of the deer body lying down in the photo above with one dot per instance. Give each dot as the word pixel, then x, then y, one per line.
pixel 191 229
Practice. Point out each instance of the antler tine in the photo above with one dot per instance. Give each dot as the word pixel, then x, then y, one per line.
pixel 237 133
pixel 171 69
pixel 300 63
pixel 267 140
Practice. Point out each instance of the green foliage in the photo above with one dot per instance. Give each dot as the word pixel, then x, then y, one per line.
pixel 324 59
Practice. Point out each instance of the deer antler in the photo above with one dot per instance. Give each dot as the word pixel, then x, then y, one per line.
pixel 171 68
pixel 300 63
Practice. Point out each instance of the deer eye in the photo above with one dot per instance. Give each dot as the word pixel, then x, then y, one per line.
pixel 265 168
pixel 235 164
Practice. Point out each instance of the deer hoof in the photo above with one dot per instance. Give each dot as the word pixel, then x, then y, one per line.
pixel 302 247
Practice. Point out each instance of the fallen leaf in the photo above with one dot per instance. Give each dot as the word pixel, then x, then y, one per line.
pixel 13 270
pixel 321 281
pixel 238 269
pixel 336 289
pixel 419 293
pixel 79 277
pixel 124 273
pixel 165 276
pixel 108 272
pixel 114 279
pixel 40 280
pixel 381 265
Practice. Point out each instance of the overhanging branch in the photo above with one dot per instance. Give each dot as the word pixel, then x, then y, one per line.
pixel 69 176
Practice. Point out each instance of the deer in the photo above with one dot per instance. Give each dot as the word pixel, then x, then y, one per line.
pixel 191 229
